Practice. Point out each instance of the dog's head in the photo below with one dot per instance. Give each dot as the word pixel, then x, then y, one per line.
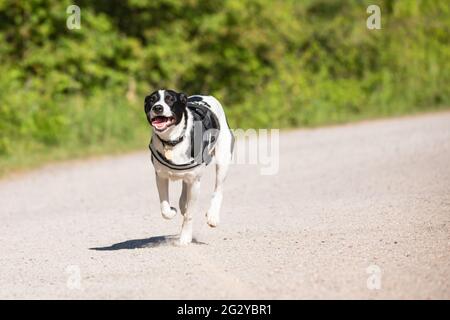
pixel 165 108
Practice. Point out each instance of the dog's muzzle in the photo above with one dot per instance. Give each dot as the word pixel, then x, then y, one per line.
pixel 157 109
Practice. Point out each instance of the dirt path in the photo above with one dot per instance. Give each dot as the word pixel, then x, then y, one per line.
pixel 352 206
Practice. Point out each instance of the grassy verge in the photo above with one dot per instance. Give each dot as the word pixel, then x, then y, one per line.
pixel 28 157
pixel 25 158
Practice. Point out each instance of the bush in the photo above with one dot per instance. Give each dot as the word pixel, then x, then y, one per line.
pixel 272 64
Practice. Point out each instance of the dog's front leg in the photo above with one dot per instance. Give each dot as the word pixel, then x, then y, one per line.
pixel 167 211
pixel 191 190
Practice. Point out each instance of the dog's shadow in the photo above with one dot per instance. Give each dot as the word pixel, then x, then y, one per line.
pixel 152 242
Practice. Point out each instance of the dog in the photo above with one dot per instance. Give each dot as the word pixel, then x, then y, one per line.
pixel 188 134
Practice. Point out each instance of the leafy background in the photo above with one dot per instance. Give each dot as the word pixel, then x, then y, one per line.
pixel 274 64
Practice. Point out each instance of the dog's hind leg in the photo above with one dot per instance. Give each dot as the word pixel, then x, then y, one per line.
pixel 191 190
pixel 167 211
pixel 223 159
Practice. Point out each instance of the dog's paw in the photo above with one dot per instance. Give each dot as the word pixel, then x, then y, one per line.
pixel 212 219
pixel 169 214
pixel 184 240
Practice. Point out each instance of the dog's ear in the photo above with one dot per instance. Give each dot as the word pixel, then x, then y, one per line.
pixel 183 98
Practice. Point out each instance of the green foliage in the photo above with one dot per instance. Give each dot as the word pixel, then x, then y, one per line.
pixel 272 64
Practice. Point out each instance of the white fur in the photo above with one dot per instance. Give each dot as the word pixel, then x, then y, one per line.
pixel 191 177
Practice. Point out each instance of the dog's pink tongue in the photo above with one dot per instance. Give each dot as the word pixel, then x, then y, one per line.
pixel 159 123
pixel 158 120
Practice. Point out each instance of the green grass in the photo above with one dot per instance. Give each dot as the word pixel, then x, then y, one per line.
pixel 25 158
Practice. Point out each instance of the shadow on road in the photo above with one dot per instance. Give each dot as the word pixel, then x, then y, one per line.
pixel 151 242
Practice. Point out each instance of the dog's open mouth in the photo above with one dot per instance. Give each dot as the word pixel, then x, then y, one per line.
pixel 161 123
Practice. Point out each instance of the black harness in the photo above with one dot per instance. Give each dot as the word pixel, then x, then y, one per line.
pixel 204 134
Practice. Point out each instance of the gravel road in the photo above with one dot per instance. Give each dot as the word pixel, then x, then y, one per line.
pixel 356 211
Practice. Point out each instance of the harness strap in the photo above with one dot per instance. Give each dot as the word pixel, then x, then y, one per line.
pixel 161 159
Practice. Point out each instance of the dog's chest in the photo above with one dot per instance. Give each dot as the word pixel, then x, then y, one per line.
pixel 172 174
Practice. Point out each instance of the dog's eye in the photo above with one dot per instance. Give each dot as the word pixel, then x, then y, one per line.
pixel 169 99
pixel 149 99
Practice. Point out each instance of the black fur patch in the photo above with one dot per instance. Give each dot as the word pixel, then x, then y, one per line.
pixel 195 99
pixel 177 103
pixel 150 101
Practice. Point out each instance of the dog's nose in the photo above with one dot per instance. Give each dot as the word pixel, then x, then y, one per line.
pixel 158 109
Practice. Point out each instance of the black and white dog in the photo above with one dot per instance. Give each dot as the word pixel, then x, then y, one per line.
pixel 188 133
